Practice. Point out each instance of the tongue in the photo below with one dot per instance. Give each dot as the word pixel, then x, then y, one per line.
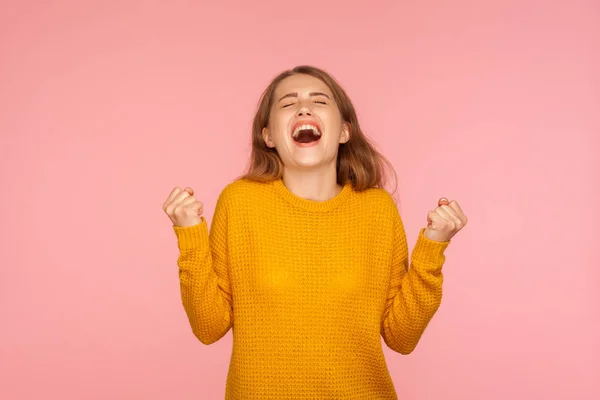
pixel 306 136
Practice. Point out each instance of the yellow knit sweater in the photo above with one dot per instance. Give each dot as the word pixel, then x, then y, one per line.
pixel 308 288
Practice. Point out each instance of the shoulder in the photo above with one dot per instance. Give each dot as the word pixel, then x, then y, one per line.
pixel 380 207
pixel 242 190
pixel 377 197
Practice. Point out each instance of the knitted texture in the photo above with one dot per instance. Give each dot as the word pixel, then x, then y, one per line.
pixel 309 288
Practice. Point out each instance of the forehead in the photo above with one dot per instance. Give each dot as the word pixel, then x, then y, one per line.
pixel 301 83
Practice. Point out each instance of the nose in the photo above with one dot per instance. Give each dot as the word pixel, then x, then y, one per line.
pixel 304 110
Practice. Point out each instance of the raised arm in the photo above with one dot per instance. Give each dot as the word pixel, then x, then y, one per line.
pixel 204 275
pixel 415 292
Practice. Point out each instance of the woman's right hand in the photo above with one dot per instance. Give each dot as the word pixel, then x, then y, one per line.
pixel 182 207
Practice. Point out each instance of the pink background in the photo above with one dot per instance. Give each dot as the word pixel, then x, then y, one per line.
pixel 105 106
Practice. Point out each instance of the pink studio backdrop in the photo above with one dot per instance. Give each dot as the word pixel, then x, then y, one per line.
pixel 105 106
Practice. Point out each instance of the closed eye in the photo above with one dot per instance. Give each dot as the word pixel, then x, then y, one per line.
pixel 287 105
pixel 320 102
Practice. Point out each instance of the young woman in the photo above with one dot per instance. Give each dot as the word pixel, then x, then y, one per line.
pixel 307 258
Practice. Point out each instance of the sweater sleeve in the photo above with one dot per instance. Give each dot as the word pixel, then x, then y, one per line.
pixel 204 276
pixel 414 293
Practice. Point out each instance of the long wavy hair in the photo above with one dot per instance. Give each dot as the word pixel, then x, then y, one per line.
pixel 358 161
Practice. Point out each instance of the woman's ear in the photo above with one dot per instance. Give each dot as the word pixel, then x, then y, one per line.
pixel 267 138
pixel 345 136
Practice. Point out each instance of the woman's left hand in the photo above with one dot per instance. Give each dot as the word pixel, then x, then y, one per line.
pixel 445 221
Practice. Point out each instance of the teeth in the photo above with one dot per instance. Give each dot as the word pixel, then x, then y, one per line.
pixel 306 126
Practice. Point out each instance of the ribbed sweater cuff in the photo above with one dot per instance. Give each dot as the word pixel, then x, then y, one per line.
pixel 192 237
pixel 429 252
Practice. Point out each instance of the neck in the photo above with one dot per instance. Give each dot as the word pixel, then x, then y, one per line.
pixel 314 184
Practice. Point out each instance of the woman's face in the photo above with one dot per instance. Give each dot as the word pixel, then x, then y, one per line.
pixel 305 125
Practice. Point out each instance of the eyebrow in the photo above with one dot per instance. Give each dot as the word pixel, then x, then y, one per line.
pixel 311 94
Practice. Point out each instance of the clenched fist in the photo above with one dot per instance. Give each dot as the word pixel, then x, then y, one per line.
pixel 182 207
pixel 445 221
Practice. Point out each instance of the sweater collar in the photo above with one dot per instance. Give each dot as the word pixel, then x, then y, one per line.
pixel 312 205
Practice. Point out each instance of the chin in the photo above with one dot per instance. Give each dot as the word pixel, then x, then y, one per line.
pixel 311 157
pixel 309 162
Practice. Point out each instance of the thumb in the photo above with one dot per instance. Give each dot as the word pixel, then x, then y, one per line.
pixel 189 190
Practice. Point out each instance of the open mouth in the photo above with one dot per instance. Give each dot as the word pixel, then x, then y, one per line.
pixel 306 133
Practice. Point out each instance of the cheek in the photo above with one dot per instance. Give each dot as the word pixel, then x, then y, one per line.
pixel 279 126
pixel 334 125
pixel 278 133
